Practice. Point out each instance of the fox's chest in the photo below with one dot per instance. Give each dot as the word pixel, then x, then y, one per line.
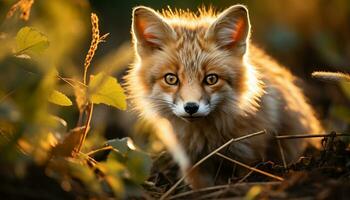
pixel 203 138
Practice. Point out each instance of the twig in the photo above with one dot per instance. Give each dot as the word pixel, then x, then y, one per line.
pixel 208 156
pixel 250 168
pixel 331 76
pixel 98 150
pixel 212 195
pixel 89 158
pixel 246 176
pixel 219 187
pixel 71 81
pixel 281 151
pixel 87 127
pixel 282 137
pixel 219 168
pixel 7 95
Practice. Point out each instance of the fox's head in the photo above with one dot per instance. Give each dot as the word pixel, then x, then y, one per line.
pixel 191 66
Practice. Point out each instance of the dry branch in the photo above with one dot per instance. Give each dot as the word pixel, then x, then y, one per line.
pixel 282 137
pixel 208 156
pixel 220 187
pixel 250 168
pixel 331 76
pixel 281 152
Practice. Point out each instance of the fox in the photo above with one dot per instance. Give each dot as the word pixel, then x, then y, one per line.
pixel 200 74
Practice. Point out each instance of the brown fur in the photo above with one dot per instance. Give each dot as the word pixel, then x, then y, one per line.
pixel 253 92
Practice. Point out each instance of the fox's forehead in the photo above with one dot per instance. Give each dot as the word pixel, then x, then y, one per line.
pixel 190 49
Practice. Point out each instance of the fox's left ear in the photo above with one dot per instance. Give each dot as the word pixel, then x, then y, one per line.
pixel 231 29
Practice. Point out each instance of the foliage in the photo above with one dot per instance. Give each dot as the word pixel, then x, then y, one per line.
pixel 30 41
pixel 52 132
pixel 34 92
pixel 59 98
pixel 109 91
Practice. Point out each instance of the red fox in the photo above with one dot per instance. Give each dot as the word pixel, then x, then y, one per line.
pixel 201 73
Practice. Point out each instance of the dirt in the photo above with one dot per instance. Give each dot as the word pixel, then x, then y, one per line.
pixel 319 174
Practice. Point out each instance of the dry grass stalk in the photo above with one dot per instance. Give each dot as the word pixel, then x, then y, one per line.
pixel 222 187
pixel 99 150
pixel 250 168
pixel 331 76
pixel 282 137
pixel 208 156
pixel 96 39
pixel 281 152
pixel 245 177
pixel 24 6
pixel 93 45
pixel 90 108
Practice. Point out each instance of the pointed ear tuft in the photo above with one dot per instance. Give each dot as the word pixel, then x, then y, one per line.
pixel 231 29
pixel 149 30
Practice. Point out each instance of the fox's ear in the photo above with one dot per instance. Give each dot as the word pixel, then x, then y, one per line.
pixel 231 29
pixel 149 30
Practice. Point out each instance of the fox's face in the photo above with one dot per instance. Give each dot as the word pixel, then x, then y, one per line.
pixel 193 66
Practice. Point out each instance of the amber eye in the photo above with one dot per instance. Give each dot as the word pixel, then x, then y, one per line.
pixel 211 79
pixel 171 79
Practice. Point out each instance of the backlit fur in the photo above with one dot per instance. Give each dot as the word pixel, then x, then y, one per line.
pixel 253 93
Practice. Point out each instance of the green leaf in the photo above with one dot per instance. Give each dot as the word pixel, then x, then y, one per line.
pixel 120 144
pixel 341 112
pixel 114 171
pixel 85 174
pixel 139 164
pixel 71 170
pixel 346 88
pixel 106 89
pixel 56 124
pixel 30 41
pixel 59 98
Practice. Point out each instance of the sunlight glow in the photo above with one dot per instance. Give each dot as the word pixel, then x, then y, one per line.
pixel 167 136
pixel 250 99
pixel 130 144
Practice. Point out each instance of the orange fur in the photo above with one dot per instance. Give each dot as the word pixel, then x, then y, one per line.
pixel 253 92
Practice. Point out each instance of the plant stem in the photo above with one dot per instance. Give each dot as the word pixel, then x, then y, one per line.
pixel 281 137
pixel 90 108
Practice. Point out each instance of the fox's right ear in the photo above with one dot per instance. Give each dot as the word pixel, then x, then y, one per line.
pixel 149 29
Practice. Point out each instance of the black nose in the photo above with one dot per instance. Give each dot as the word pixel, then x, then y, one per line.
pixel 191 107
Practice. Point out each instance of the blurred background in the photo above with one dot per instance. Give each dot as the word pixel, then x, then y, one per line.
pixel 304 36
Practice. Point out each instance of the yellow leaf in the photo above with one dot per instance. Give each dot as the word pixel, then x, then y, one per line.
pixel 29 40
pixel 345 85
pixel 70 143
pixel 59 98
pixel 253 193
pixel 106 89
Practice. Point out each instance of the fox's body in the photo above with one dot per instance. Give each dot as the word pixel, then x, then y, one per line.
pixel 202 74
